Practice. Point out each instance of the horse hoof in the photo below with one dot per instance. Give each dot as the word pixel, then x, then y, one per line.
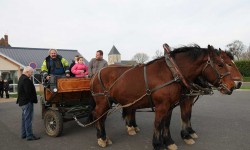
pixel 172 147
pixel 194 136
pixel 137 129
pixel 131 130
pixel 101 142
pixel 108 141
pixel 189 141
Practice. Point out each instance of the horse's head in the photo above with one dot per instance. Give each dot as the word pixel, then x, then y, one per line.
pixel 227 57
pixel 216 72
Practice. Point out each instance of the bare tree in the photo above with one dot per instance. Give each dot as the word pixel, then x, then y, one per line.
pixel 158 54
pixel 246 55
pixel 140 58
pixel 236 48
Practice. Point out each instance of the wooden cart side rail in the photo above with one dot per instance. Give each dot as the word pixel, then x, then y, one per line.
pixel 73 85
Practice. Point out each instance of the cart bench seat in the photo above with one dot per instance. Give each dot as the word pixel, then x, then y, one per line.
pixel 69 89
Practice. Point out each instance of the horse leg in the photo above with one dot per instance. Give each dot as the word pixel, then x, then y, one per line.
pixel 161 131
pixel 102 138
pixel 187 133
pixel 167 139
pixel 137 129
pixel 129 117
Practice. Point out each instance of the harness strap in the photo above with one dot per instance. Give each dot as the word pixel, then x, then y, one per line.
pixel 177 70
pixel 91 83
pixel 162 85
pixel 101 82
pixel 171 67
pixel 92 87
pixel 196 99
pixel 148 91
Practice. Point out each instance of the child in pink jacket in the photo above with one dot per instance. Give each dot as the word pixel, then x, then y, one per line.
pixel 80 69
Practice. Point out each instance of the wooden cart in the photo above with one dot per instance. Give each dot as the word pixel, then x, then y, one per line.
pixel 63 99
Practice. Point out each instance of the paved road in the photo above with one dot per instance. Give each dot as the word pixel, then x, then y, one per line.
pixel 246 84
pixel 222 122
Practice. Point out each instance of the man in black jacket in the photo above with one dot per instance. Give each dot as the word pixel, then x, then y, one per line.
pixel 26 97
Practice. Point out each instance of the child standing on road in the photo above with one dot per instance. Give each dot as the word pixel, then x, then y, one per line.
pixel 80 69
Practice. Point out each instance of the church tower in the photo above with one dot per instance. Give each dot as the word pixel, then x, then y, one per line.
pixel 114 56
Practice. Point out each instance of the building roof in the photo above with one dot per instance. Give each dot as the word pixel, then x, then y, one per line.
pixel 128 62
pixel 24 56
pixel 114 51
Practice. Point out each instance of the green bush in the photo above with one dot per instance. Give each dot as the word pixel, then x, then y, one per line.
pixel 244 67
pixel 246 79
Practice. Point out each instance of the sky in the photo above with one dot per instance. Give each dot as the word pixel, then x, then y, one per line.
pixel 133 26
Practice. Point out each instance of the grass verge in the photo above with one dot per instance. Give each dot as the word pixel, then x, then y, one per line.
pixel 15 95
pixel 245 87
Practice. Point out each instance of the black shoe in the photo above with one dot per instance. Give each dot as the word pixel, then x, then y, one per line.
pixel 23 137
pixel 33 138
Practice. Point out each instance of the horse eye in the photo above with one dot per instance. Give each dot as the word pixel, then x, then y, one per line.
pixel 229 65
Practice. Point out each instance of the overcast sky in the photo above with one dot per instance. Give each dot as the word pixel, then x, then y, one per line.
pixel 133 26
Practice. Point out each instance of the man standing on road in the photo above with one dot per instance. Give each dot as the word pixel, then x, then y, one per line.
pixel 97 63
pixel 26 98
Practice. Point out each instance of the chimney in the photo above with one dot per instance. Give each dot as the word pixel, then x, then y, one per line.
pixel 6 41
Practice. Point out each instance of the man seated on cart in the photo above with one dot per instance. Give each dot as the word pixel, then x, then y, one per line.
pixel 54 64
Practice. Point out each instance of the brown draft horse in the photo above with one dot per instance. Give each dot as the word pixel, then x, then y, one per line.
pixel 187 132
pixel 135 85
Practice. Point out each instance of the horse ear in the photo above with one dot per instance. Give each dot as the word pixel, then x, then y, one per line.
pixel 220 50
pixel 210 50
pixel 210 47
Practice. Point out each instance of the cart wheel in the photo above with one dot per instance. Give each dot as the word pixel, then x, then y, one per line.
pixel 53 123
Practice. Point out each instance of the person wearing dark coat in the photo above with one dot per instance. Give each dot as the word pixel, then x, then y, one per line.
pixel 6 88
pixel 1 88
pixel 26 98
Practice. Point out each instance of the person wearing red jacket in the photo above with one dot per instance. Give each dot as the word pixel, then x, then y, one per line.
pixel 80 69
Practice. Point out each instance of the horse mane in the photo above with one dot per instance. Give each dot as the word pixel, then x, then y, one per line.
pixel 159 58
pixel 230 55
pixel 193 51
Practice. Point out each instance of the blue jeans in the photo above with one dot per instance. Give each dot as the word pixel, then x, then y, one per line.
pixel 27 116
